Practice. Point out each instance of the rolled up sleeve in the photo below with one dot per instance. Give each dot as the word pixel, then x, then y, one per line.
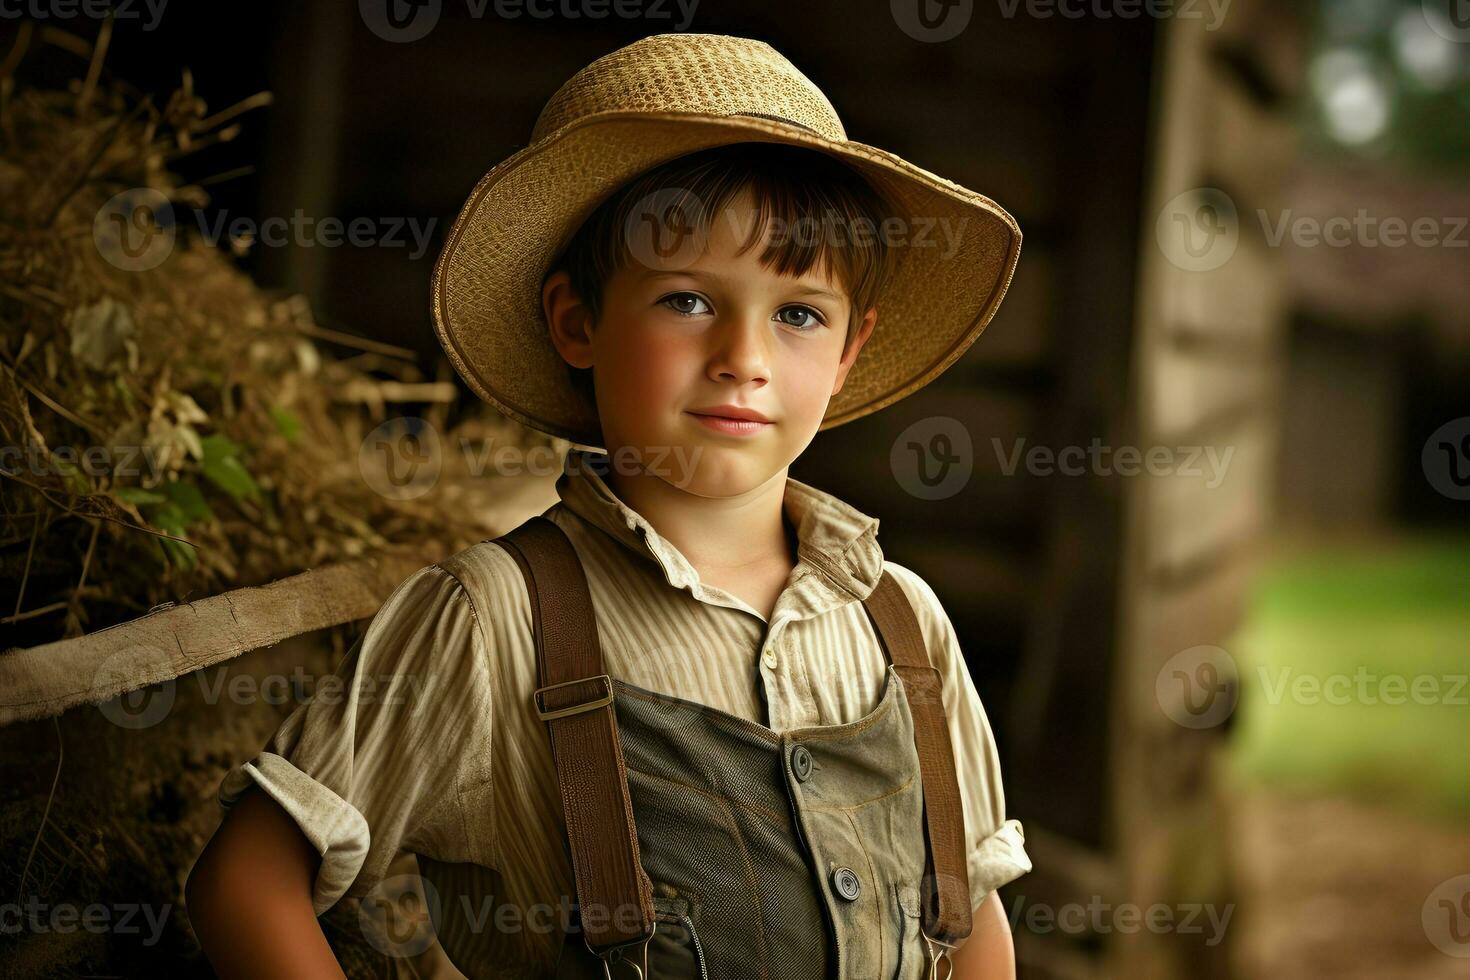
pixel 996 845
pixel 370 766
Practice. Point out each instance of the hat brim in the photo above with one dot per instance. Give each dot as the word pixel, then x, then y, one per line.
pixel 949 278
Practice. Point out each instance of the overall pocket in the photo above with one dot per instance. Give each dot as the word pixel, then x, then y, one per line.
pixel 912 959
pixel 675 952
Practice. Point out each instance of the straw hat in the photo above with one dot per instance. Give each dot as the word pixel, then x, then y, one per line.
pixel 642 105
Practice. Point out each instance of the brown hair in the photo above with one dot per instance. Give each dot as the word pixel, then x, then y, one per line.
pixel 791 184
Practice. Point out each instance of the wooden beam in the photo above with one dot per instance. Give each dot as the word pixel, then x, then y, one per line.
pixel 172 640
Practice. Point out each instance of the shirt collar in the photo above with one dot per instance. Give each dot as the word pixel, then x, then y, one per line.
pixel 836 541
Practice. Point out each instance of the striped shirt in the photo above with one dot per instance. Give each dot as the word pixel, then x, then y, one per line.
pixel 431 744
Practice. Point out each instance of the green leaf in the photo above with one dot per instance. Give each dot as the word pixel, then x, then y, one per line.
pixel 127 393
pixel 178 506
pixel 185 498
pixel 287 422
pixel 181 555
pixel 137 495
pixel 222 467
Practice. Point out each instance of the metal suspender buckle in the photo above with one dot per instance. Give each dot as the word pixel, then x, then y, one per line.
pixel 937 956
pixel 546 715
pixel 619 953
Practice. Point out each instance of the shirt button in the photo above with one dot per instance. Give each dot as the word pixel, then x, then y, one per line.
pixel 770 659
pixel 846 883
pixel 801 763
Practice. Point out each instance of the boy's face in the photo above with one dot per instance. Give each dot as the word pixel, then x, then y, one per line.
pixel 684 337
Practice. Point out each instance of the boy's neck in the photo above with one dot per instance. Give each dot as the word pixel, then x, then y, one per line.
pixel 722 537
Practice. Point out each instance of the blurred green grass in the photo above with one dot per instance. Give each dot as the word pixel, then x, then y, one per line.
pixel 1352 619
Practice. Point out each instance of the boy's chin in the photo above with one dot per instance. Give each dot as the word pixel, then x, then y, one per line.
pixel 725 471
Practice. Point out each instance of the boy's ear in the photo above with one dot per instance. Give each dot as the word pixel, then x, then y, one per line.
pixel 568 319
pixel 849 356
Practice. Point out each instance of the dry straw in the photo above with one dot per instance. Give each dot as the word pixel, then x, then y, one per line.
pixel 228 443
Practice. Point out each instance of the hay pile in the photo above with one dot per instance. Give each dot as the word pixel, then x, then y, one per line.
pixel 169 431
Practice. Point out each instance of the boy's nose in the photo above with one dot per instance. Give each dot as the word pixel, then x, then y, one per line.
pixel 741 349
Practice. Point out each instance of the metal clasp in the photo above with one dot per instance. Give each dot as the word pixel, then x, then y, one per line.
pixel 619 953
pixel 938 956
pixel 546 715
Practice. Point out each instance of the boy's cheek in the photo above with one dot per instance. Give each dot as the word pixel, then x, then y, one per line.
pixel 638 401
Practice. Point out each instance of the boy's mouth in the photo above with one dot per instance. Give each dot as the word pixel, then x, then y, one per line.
pixel 732 426
pixel 736 412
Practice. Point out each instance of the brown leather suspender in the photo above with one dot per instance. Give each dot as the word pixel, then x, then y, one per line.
pixel 947 914
pixel 575 701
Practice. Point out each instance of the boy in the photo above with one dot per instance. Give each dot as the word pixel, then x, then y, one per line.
pixel 797 807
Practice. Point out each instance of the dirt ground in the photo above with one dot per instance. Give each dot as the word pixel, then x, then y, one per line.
pixel 1341 888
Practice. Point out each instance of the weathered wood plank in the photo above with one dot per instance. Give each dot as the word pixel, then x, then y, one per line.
pixel 1210 496
pixel 38 682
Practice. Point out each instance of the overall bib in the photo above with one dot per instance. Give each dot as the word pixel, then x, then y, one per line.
pixel 707 845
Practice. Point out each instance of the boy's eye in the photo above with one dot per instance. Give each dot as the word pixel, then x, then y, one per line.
pixel 680 303
pixel 688 304
pixel 812 324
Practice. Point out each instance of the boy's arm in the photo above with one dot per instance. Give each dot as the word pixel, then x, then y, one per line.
pixel 988 953
pixel 996 844
pixel 249 896
pixel 367 769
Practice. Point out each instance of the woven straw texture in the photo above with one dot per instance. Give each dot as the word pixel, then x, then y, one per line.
pixel 652 101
